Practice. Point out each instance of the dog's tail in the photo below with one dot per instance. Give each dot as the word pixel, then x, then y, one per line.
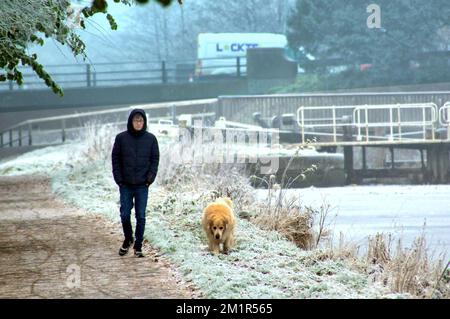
pixel 227 201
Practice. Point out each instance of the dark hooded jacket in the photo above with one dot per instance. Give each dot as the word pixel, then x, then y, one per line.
pixel 135 155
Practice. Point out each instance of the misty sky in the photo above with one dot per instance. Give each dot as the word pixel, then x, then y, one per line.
pixel 149 33
pixel 98 36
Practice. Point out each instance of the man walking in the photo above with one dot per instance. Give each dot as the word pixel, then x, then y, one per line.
pixel 135 160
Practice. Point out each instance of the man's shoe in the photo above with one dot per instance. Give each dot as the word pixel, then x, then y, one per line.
pixel 138 253
pixel 125 246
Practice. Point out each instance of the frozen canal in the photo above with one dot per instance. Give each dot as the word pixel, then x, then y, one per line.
pixel 359 211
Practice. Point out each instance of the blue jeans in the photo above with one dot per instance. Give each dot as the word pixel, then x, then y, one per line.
pixel 140 196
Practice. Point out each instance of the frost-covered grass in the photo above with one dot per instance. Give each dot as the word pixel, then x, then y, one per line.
pixel 263 264
pixel 44 161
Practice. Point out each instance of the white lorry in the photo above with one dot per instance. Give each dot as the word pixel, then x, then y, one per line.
pixel 218 53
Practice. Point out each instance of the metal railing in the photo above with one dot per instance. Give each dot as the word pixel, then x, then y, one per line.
pixel 444 117
pixel 396 122
pixel 330 117
pixel 414 115
pixel 127 73
pixel 59 127
pixel 27 126
pixel 365 124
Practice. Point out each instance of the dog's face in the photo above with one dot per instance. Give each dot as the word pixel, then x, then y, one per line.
pixel 217 228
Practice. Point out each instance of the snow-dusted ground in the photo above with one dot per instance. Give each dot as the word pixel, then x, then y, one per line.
pixel 45 160
pixel 262 265
pixel 359 211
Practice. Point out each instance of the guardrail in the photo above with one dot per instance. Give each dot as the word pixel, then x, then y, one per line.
pixel 27 126
pixel 330 117
pixel 395 120
pixel 444 117
pixel 399 120
pixel 410 118
pixel 58 126
pixel 126 73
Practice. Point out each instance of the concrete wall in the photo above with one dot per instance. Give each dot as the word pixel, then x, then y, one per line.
pixel 241 108
pixel 444 86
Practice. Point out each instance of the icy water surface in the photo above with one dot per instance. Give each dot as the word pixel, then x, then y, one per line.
pixel 359 211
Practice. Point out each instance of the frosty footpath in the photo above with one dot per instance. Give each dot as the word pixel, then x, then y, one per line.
pixel 50 250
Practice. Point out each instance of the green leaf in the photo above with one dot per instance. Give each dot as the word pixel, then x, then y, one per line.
pixel 99 5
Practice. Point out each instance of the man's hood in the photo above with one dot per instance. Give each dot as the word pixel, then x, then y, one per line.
pixel 130 122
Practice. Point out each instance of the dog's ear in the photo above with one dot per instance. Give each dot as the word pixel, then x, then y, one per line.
pixel 210 227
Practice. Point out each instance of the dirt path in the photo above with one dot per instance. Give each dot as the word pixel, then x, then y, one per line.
pixel 49 250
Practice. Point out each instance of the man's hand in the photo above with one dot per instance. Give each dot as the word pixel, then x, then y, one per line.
pixel 150 179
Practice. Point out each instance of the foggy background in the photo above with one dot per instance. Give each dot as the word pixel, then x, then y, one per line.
pixel 154 33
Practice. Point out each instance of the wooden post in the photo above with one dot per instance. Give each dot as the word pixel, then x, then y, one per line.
pixel 422 159
pixel 30 139
pixel 364 158
pixel 63 130
pixel 391 149
pixel 163 72
pixel 443 164
pixel 88 75
pixel 348 150
pixel 348 164
pixel 433 165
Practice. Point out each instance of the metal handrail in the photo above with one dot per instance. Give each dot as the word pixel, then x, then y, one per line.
pixel 359 115
pixel 424 122
pixel 332 108
pixel 161 71
pixel 303 123
pixel 444 112
pixel 27 125
pixel 444 118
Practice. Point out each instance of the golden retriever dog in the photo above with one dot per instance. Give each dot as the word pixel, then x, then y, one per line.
pixel 218 223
